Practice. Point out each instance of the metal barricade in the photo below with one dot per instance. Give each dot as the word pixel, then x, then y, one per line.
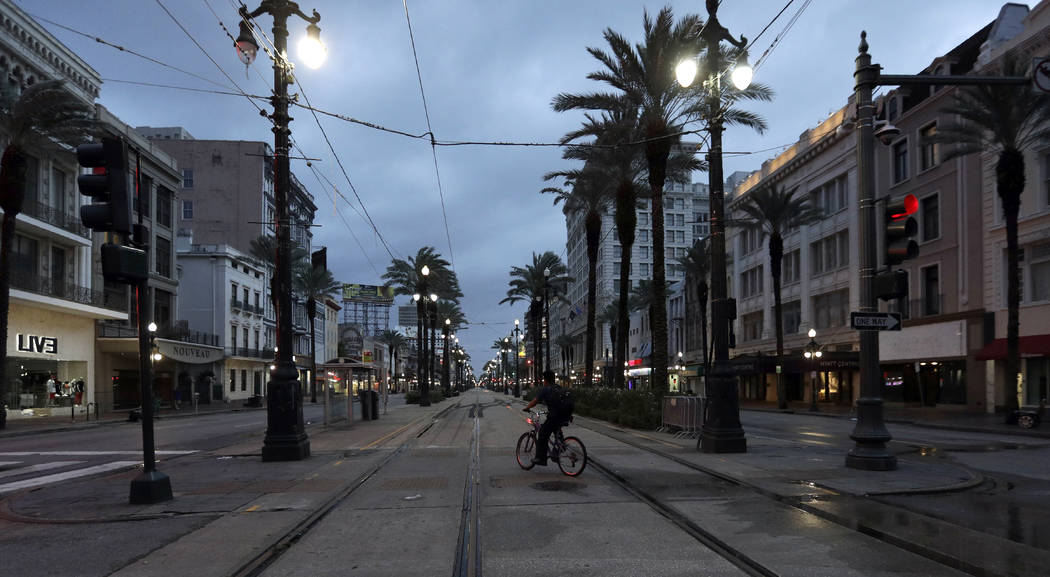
pixel 684 416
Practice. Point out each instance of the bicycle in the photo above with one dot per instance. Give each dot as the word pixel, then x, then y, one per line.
pixel 568 452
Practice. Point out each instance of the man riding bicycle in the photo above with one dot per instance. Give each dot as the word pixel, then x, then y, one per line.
pixel 556 415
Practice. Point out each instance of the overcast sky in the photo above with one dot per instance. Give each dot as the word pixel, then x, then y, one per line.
pixel 489 71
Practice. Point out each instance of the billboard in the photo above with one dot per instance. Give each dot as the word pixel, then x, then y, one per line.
pixel 367 292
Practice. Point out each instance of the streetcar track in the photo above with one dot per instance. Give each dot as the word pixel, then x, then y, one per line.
pixel 269 555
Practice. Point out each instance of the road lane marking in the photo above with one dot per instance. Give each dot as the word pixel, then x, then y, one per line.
pixel 252 508
pixel 48 479
pixel 88 453
pixel 38 467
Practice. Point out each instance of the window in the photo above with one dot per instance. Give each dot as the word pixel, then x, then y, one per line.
pixel 751 282
pixel 244 380
pixel 187 210
pixel 928 151
pixel 831 197
pixel 163 255
pixel 931 291
pixel 58 190
pixel 831 309
pixel 32 180
pixel 643 218
pixel 900 161
pixel 752 325
pixel 164 206
pixel 144 192
pixel 643 235
pixel 789 267
pixel 256 341
pixel 829 253
pixel 679 220
pixel 233 336
pixel 1038 271
pixel 244 333
pixel 931 218
pixel 162 307
pixel 245 292
pixel 187 178
pixel 233 379
pixel 643 269
pixel 257 301
pixel 792 315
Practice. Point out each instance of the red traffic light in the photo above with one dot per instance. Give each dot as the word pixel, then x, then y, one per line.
pixel 907 206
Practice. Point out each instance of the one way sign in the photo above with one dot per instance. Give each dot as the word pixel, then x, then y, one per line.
pixel 875 321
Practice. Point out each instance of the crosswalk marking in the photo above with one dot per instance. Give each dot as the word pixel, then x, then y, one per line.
pixel 38 467
pixel 6 463
pixel 54 478
pixel 87 453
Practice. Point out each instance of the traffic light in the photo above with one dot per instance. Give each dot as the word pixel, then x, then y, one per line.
pixel 107 185
pixel 900 228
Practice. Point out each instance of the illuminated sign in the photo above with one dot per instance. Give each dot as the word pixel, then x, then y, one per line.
pixel 367 292
pixel 634 362
pixel 37 344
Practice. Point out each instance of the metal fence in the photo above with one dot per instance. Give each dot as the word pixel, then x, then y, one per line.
pixel 683 415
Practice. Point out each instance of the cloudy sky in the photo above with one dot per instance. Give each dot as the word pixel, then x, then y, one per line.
pixel 489 70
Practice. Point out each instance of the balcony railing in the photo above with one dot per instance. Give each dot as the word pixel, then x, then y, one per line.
pixel 46 286
pixel 250 353
pixel 51 215
pixel 122 331
pixel 236 304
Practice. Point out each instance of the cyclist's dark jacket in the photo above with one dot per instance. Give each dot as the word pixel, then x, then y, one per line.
pixel 548 396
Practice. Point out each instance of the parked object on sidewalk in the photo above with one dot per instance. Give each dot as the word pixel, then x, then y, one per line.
pixel 1028 418
pixel 254 401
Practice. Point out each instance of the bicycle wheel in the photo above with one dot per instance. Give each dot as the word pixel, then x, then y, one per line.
pixel 573 457
pixel 526 450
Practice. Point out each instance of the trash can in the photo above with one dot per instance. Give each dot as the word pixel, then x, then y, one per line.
pixel 366 404
pixel 375 404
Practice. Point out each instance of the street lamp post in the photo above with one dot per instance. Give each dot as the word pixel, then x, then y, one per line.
pixel 445 382
pixel 813 352
pixel 722 432
pixel 286 438
pixel 422 312
pixel 517 380
pixel 547 315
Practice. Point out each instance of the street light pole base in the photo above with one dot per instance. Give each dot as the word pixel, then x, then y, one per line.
pixel 290 448
pixel 867 459
pixel 150 487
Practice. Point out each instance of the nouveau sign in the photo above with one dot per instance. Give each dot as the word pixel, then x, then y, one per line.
pixel 187 353
pixel 37 344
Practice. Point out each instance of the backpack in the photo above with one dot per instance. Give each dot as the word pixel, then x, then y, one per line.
pixel 561 402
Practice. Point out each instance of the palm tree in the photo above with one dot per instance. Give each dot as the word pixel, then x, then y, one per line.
pixel 529 283
pixel 610 315
pixel 565 344
pixel 264 249
pixel 776 212
pixel 644 76
pixel 313 284
pixel 589 196
pixel 697 266
pixel 45 114
pixel 394 341
pixel 1009 120
pixel 407 278
pixel 451 319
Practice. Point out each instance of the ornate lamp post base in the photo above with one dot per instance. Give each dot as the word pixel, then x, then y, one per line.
pixel 871 436
pixel 150 487
pixel 722 432
pixel 286 438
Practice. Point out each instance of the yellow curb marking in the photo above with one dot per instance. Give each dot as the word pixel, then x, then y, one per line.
pixel 387 436
pixel 252 508
pixel 337 463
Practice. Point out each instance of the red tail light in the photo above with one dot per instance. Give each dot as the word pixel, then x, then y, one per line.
pixel 529 420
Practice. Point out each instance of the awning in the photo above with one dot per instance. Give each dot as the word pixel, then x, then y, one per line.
pixel 1031 346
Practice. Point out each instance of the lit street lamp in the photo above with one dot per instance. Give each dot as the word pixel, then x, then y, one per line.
pixel 286 438
pixel 517 381
pixel 813 352
pixel 547 315
pixel 722 432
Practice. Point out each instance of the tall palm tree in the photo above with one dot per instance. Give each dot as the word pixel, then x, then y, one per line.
pixel 529 283
pixel 610 315
pixel 394 341
pixel 776 212
pixel 313 284
pixel 1008 120
pixel 589 196
pixel 42 116
pixel 565 344
pixel 644 76
pixel 406 277
pixel 697 266
pixel 451 318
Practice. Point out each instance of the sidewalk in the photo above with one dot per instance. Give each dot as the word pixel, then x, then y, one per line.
pixel 26 425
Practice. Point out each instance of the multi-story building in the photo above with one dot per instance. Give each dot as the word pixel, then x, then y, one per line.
pixel 226 298
pixel 685 220
pixel 54 299
pixel 956 278
pixel 226 196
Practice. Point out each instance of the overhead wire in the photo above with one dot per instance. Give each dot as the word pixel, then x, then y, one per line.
pixel 433 146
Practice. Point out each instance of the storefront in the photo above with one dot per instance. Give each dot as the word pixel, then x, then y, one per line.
pixel 182 370
pixel 49 362
pixel 1035 366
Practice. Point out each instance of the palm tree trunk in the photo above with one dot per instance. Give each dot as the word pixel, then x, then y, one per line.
pixel 313 359
pixel 624 323
pixel 12 196
pixel 705 354
pixel 656 154
pixel 776 253
pixel 1010 183
pixel 445 383
pixel 594 233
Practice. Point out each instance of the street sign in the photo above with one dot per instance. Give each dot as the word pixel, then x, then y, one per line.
pixel 875 321
pixel 1041 75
